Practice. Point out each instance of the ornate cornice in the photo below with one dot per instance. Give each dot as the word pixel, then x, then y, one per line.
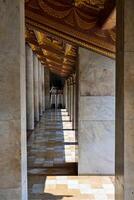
pixel 73 40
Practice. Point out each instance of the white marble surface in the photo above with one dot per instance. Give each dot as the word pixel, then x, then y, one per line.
pixel 13 165
pixel 36 88
pixel 47 87
pixel 97 76
pixel 40 88
pixel 98 137
pixel 96 113
pixel 29 88
pixel 97 108
pixel 43 88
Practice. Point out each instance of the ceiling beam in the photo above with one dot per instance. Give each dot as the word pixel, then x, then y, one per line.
pixel 60 69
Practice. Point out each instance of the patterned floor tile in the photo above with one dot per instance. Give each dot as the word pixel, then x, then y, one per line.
pixel 68 187
pixel 53 143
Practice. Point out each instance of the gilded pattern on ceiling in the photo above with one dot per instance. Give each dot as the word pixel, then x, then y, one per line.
pixel 74 21
pixel 96 3
pixel 58 56
pixel 71 16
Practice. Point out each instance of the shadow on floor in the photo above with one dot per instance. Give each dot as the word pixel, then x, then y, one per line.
pixel 49 196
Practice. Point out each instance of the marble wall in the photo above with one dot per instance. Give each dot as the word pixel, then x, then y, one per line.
pixel 13 156
pixel 96 123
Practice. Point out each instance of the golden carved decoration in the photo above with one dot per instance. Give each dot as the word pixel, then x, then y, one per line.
pixel 83 24
pixel 76 23
pixel 73 16
pixel 92 46
pixel 98 3
pixel 70 50
pixel 51 11
pixel 113 35
pixel 54 61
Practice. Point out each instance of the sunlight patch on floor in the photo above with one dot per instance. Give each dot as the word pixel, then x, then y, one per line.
pixel 71 154
pixel 81 187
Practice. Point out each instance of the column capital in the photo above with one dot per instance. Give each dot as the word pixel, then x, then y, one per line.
pixel 72 79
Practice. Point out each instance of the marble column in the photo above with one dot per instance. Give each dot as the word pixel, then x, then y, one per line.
pixel 29 88
pixel 66 103
pixel 68 92
pixel 125 101
pixel 36 88
pixel 13 153
pixel 65 95
pixel 40 88
pixel 72 100
pixel 43 89
pixel 47 87
pixel 96 114
pixel 74 111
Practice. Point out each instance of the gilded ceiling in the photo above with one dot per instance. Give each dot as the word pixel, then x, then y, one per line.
pixel 58 56
pixel 55 29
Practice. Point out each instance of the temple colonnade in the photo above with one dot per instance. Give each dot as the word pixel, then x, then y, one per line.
pixel 36 88
pixel 23 84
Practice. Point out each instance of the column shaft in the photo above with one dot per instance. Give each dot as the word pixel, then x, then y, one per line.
pixel 69 102
pixel 125 101
pixel 29 88
pixel 66 103
pixel 74 121
pixel 36 88
pixel 43 89
pixel 47 87
pixel 13 156
pixel 40 89
pixel 72 100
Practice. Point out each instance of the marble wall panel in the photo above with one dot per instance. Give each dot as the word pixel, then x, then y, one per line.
pixel 96 108
pixel 97 76
pixel 97 137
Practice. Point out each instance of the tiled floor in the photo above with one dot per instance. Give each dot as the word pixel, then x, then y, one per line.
pixel 52 151
pixel 71 188
pixel 52 143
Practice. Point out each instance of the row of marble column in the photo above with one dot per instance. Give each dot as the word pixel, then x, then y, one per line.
pixel 35 88
pixel 70 98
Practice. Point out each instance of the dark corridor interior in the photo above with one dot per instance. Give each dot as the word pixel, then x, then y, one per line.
pixel 56 81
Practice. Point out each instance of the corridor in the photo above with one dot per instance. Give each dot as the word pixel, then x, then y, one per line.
pixel 75 55
pixel 52 163
pixel 52 147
